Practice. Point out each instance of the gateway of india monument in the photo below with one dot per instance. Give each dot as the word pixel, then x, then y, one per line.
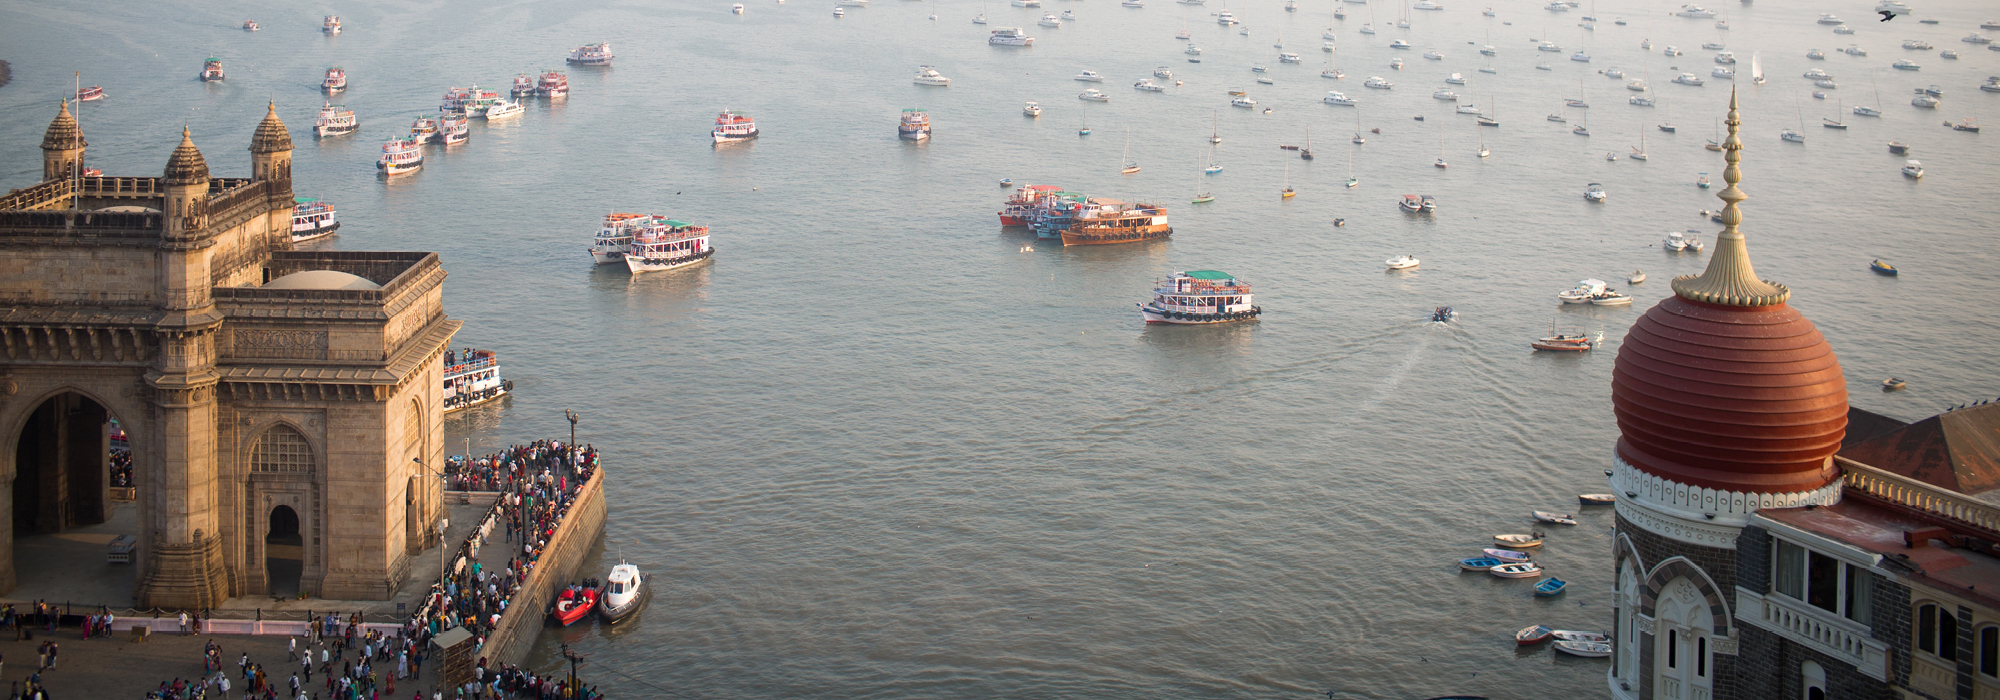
pixel 276 402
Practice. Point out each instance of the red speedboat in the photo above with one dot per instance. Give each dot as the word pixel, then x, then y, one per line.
pixel 573 604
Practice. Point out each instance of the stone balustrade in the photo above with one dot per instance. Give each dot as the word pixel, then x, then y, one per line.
pixel 1917 495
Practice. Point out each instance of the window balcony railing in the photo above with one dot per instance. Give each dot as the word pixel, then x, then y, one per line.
pixel 1826 632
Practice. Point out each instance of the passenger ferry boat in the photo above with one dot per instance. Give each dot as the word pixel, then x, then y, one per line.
pixel 335 120
pixel 454 128
pixel 249 25
pixel 454 99
pixel 472 377
pixel 336 80
pixel 424 129
pixel 915 126
pixel 90 94
pixel 1200 297
pixel 524 85
pixel 1021 205
pixel 730 126
pixel 478 101
pixel 553 84
pixel 211 69
pixel 331 25
pixel 666 244
pixel 401 154
pixel 1010 36
pixel 614 237
pixel 1110 222
pixel 591 55
pixel 312 219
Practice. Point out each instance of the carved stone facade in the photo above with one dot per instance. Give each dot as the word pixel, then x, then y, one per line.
pixel 260 411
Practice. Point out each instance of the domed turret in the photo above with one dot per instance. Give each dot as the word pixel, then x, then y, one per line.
pixel 271 148
pixel 62 146
pixel 186 166
pixel 1724 386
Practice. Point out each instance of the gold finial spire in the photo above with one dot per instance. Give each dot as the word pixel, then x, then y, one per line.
pixel 1729 279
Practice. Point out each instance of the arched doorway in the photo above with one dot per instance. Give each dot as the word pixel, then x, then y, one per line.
pixel 62 466
pixel 284 552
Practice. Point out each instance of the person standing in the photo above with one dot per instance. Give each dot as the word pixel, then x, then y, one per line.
pixel 184 623
pixel 53 649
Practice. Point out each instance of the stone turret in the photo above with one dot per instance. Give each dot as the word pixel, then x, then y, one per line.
pixel 62 147
pixel 187 187
pixel 271 148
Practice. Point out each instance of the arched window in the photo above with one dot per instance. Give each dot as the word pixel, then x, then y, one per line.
pixel 1814 681
pixel 413 431
pixel 1937 631
pixel 282 450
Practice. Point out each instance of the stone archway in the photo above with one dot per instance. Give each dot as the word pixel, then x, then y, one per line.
pixel 284 553
pixel 59 484
pixel 62 466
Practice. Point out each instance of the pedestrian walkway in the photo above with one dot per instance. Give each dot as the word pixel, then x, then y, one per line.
pixel 117 667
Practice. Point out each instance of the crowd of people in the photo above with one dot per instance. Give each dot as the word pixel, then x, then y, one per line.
pixel 121 469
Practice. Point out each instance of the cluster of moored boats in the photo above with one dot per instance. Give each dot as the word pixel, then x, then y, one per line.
pixel 614 599
pixel 1511 558
pixel 1054 213
pixel 649 242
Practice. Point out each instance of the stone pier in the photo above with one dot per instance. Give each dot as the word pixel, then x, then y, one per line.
pixel 580 530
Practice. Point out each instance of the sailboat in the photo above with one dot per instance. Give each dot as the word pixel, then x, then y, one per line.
pixel 1287 194
pixel 1215 135
pixel 1482 143
pixel 1668 125
pixel 1357 126
pixel 1201 194
pixel 981 19
pixel 1351 182
pixel 1332 13
pixel 1083 128
pixel 1130 167
pixel 1830 122
pixel 1440 161
pixel 1875 111
pixel 1331 71
pixel 1796 136
pixel 1213 167
pixel 1639 151
pixel 1713 144
pixel 1307 152
pixel 1582 129
pixel 1757 67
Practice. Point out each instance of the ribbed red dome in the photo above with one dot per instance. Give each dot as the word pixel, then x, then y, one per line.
pixel 1737 398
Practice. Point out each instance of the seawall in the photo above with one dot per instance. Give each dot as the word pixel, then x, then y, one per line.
pixel 522 623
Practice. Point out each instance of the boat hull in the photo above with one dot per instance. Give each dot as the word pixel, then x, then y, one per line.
pixel 325 131
pixel 606 257
pixel 487 396
pixel 1155 315
pixel 638 264
pixel 399 168
pixel 721 137
pixel 310 234
pixel 612 615
pixel 1136 234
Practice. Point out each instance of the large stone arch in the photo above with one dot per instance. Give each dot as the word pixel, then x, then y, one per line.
pixel 1682 567
pixel 24 391
pixel 284 463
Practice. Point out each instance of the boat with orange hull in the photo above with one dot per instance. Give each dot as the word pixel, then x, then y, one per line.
pixel 1111 222
pixel 1023 202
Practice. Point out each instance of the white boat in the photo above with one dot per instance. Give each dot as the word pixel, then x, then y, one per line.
pixel 472 377
pixel 312 218
pixel 1445 95
pixel 733 126
pixel 1816 54
pixel 335 120
pixel 1924 101
pixel 1288 58
pixel 1031 109
pixel 666 244
pixel 1010 36
pixel 1335 97
pixel 1549 46
pixel 1517 541
pixel 1426 5
pixel 1614 74
pixel 1913 169
pixel 1592 650
pixel 1520 570
pixel 1582 292
pixel 331 26
pixel 1403 262
pixel 1671 51
pixel 1147 85
pixel 1069 15
pixel 1544 516
pixel 591 55
pixel 1917 45
pixel 1639 101
pixel 1692 10
pixel 1433 55
pixel 927 75
pixel 1721 72
pixel 1399 44
pixel 1093 95
pixel 625 591
pixel 1580 57
pixel 1192 50
pixel 1867 111
pixel 1468 109
pixel 1134 3
pixel 614 236
pixel 1688 79
pixel 453 128
pixel 401 154
pixel 1594 192
pixel 1817 74
pixel 1726 58
pixel 914 125
pixel 1027 3
pixel 1050 20
pixel 504 109
pixel 1976 38
pixel 1163 73
pixel 1906 64
pixel 1225 18
pixel 1637 277
pixel 1948 54
pixel 1243 101
pixel 1377 83
pixel 1854 51
pixel 1556 6
pixel 1200 297
pixel 1396 63
pixel 1611 298
pixel 1365 29
pixel 1455 79
pixel 1757 67
pixel 1843 29
pixel 736 9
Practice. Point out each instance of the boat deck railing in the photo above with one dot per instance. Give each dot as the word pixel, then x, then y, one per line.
pixel 474 366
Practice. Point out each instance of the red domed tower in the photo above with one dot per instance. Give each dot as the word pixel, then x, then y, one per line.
pixel 1728 401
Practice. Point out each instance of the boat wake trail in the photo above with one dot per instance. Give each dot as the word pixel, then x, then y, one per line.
pixel 1396 377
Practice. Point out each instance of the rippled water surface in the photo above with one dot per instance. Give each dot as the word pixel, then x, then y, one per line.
pixel 879 448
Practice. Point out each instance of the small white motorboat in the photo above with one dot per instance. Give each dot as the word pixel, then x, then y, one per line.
pixel 1507 555
pixel 1596 499
pixel 1913 169
pixel 504 109
pixel 1576 636
pixel 1403 262
pixel 1244 102
pixel 1637 277
pixel 1031 109
pixel 1518 541
pixel 1544 516
pixel 1610 297
pixel 1594 191
pixel 1593 650
pixel 1523 570
pixel 1094 95
pixel 1089 76
pixel 625 591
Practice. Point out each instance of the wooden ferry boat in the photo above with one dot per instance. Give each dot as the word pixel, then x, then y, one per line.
pixel 472 377
pixel 1200 297
pixel 1022 204
pixel 666 244
pixel 1110 222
